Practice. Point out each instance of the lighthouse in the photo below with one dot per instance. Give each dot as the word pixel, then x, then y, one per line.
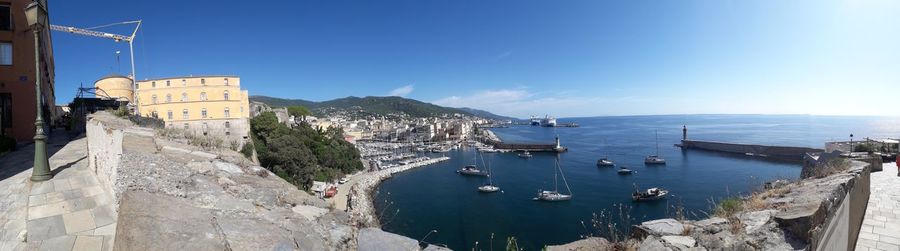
pixel 684 132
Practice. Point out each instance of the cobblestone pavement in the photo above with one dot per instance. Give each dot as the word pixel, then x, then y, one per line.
pixel 69 212
pixel 881 226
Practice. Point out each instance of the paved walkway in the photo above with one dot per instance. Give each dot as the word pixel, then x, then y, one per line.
pixel 69 212
pixel 881 227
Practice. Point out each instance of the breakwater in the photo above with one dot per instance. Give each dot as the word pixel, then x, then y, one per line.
pixel 362 211
pixel 783 153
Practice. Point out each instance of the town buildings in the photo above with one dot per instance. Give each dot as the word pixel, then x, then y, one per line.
pixel 206 105
pixel 18 102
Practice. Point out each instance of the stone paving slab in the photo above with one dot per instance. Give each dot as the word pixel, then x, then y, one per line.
pixel 69 212
pixel 881 225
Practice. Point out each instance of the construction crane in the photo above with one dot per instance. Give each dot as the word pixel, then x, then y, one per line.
pixel 115 37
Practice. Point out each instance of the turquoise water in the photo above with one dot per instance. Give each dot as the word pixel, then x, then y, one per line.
pixel 436 198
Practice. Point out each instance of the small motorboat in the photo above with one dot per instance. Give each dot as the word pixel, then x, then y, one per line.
pixel 488 188
pixel 525 155
pixel 625 171
pixel 654 160
pixel 472 171
pixel 552 196
pixel 605 162
pixel 651 194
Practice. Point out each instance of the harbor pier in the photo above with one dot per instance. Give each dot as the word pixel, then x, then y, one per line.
pixel 783 153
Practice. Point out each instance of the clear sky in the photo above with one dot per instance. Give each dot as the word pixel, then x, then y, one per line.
pixel 517 57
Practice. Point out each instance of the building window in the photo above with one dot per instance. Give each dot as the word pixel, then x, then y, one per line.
pixel 226 81
pixel 168 98
pixel 227 113
pixel 203 81
pixel 183 82
pixel 154 99
pixel 203 96
pixel 227 124
pixel 154 114
pixel 226 95
pixel 153 84
pixel 168 83
pixel 6 53
pixel 203 113
pixel 185 126
pixel 184 97
pixel 170 115
pixel 184 114
pixel 5 17
pixel 205 129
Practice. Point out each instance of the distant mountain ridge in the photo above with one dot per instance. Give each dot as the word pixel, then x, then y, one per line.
pixel 377 105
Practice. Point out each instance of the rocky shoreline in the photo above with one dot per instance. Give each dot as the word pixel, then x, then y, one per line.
pixel 362 213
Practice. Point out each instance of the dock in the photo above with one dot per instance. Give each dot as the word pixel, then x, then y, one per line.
pixel 782 153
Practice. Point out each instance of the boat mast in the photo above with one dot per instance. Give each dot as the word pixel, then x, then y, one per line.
pixel 657 143
pixel 555 186
pixel 569 190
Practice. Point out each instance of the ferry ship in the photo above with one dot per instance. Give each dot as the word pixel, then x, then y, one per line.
pixel 548 121
pixel 535 121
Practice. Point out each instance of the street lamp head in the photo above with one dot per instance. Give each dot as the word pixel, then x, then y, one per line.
pixel 36 14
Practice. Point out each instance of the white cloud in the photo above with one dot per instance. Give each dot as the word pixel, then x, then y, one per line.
pixel 503 55
pixel 402 91
pixel 522 104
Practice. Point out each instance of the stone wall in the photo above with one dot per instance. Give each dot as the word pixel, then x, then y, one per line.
pixel 104 150
pixel 842 226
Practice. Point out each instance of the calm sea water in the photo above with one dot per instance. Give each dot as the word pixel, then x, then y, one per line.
pixel 436 198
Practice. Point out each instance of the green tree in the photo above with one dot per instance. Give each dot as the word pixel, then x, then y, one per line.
pixel 302 154
pixel 299 111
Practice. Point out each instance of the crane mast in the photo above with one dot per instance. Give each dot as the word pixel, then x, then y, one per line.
pixel 117 38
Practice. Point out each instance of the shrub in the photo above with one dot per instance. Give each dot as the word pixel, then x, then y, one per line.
pixel 728 207
pixel 7 144
pixel 247 150
pixel 864 147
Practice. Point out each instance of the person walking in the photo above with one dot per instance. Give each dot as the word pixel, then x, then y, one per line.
pixel 898 164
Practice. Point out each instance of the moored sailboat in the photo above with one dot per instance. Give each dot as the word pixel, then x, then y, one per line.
pixel 555 195
pixel 655 159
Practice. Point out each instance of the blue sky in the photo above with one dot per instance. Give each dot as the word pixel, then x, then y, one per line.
pixel 565 58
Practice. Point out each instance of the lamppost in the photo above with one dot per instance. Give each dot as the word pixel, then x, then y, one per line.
pixel 851 145
pixel 36 13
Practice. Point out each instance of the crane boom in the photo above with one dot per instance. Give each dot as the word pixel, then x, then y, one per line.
pixel 92 33
pixel 117 38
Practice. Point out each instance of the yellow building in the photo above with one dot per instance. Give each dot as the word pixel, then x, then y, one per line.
pixel 207 105
pixel 115 87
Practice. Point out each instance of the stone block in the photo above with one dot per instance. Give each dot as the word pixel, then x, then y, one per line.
pixel 159 222
pixel 680 241
pixel 373 239
pixel 591 243
pixel 658 227
pixel 800 219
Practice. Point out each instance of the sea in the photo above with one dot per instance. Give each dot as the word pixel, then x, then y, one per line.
pixel 436 205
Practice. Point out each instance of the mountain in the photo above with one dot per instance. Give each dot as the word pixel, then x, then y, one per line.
pixel 376 105
pixel 486 114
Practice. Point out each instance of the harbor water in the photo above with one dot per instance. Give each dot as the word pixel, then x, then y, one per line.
pixel 435 197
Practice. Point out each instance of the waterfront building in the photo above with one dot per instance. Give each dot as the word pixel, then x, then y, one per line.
pixel 206 105
pixel 18 102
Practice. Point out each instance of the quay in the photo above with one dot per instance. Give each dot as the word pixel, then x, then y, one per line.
pixel 784 153
pixel 781 153
pixel 491 139
pixel 358 202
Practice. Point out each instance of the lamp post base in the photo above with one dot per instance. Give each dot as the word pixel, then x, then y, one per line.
pixel 41 171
